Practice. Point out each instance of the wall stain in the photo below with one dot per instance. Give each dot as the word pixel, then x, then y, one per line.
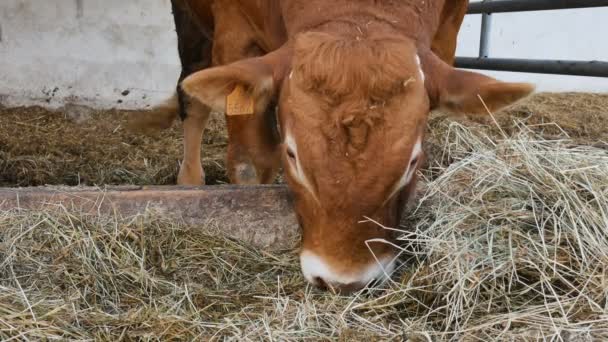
pixel 79 8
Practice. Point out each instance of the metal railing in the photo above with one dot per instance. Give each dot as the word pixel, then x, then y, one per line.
pixel 560 67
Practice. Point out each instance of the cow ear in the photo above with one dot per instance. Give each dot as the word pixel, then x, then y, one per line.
pixel 465 92
pixel 255 79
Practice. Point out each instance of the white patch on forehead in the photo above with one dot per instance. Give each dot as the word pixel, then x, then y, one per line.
pixel 409 171
pixel 291 74
pixel 420 68
pixel 298 174
pixel 313 268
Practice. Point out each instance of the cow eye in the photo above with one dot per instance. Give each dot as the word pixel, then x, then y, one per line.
pixel 291 154
pixel 414 162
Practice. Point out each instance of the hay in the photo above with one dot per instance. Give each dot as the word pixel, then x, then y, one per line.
pixel 579 117
pixel 583 117
pixel 76 145
pixel 509 242
pixel 512 239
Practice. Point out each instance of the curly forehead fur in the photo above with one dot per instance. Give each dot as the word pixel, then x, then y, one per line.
pixel 365 67
pixel 354 77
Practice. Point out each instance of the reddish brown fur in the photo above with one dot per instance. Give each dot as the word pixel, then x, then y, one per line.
pixel 214 33
pixel 354 101
pixel 325 64
pixel 354 108
pixel 350 111
pixel 444 42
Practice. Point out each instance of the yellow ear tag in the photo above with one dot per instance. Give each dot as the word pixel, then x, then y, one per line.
pixel 239 102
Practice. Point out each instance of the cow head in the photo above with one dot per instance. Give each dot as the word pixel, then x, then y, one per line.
pixel 352 114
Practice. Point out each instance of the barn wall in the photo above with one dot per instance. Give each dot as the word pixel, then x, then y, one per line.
pixel 87 51
pixel 92 52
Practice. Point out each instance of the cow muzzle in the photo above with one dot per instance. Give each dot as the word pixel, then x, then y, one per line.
pixel 320 273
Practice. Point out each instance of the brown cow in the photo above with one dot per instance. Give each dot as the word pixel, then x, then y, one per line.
pixel 212 33
pixel 355 81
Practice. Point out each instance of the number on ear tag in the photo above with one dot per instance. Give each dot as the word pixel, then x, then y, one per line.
pixel 239 102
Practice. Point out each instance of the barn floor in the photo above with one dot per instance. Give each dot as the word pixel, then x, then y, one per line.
pixel 487 276
pixel 80 146
pixel 75 145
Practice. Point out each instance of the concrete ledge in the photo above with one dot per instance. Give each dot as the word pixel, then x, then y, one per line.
pixel 258 215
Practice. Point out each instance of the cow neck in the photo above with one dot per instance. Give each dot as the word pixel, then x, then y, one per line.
pixel 372 20
pixel 352 28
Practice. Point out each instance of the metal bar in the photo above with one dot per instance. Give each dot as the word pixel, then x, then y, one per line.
pixel 484 39
pixel 539 66
pixel 502 6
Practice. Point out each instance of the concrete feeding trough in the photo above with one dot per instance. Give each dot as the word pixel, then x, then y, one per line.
pixel 259 215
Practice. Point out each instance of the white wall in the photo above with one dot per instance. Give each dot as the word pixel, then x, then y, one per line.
pixel 565 34
pixel 91 51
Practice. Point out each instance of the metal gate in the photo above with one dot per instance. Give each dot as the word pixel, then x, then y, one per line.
pixel 560 67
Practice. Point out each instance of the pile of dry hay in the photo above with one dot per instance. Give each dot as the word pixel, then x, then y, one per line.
pixel 509 241
pixel 512 239
pixel 76 145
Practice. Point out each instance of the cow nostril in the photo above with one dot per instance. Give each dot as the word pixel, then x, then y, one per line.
pixel 320 283
pixel 337 288
pixel 375 282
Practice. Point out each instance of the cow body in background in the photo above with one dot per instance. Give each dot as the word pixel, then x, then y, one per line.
pixel 213 33
pixel 354 81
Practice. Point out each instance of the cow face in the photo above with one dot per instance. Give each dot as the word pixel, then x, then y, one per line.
pixel 352 114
